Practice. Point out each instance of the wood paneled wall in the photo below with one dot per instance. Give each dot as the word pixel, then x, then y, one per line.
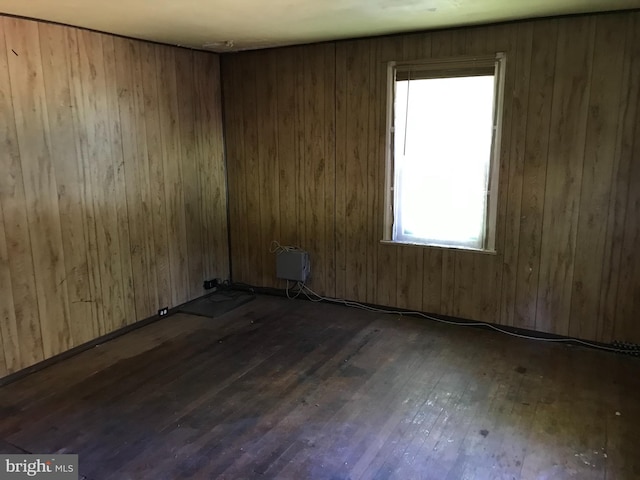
pixel 112 188
pixel 305 131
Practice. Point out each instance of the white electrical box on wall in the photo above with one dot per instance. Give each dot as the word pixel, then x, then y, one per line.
pixel 293 265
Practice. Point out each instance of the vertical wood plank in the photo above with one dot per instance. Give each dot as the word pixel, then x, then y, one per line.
pixel 159 248
pixel 329 146
pixel 144 176
pixel 267 163
pixel 91 328
pixel 465 283
pixel 499 38
pixel 601 135
pixel 388 49
pixel 628 296
pixel 358 84
pixel 416 46
pixel 255 242
pixel 233 91
pixel 375 158
pixel 315 163
pixel 132 153
pixel 32 128
pixel 534 174
pixel 341 170
pixel 628 112
pixel 432 280
pixel 564 173
pixel 410 276
pixel 518 97
pixel 213 199
pixel 190 176
pixel 172 168
pixel 100 169
pixel 12 235
pixel 300 146
pixel 287 194
pixel 9 339
pixel 117 163
pixel 22 339
pixel 64 152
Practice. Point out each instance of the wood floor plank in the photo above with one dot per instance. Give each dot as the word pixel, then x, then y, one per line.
pixel 295 389
pixel 345 434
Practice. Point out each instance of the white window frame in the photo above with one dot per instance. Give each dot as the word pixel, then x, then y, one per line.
pixel 447 68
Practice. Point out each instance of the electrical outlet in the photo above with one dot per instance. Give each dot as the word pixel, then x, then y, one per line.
pixel 163 312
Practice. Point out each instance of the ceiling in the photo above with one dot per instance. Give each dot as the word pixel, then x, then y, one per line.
pixel 224 25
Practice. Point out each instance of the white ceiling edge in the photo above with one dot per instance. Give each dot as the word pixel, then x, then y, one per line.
pixel 233 25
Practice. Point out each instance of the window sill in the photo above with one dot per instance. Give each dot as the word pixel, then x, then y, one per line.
pixel 439 247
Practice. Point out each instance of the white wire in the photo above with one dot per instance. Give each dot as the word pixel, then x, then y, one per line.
pixel 275 247
pixel 319 298
pixel 296 295
pixel 303 288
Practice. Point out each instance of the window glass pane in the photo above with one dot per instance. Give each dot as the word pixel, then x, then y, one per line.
pixel 442 141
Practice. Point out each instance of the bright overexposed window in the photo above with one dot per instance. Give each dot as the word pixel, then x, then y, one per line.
pixel 443 137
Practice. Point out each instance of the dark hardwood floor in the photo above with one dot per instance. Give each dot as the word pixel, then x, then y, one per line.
pixel 295 390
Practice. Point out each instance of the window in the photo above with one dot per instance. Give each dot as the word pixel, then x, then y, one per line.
pixel 443 143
